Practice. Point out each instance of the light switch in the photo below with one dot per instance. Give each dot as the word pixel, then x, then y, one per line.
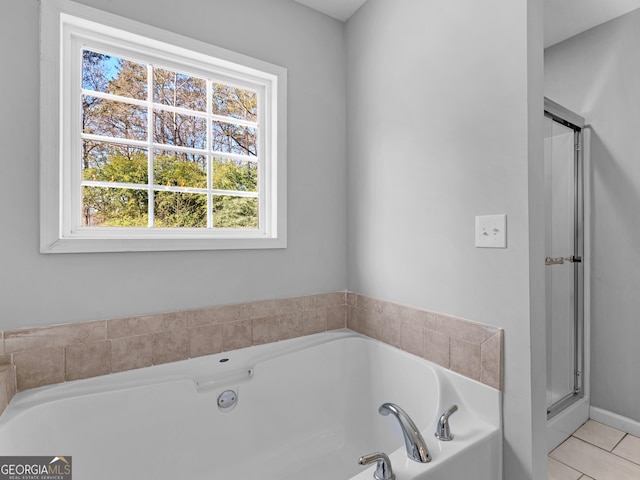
pixel 491 231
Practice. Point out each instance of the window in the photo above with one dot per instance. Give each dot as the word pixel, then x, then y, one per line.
pixel 154 141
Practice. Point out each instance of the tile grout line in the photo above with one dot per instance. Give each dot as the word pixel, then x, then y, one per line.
pixel 592 444
pixel 588 443
pixel 620 441
pixel 567 465
pixel 610 452
pixel 620 456
pixel 604 450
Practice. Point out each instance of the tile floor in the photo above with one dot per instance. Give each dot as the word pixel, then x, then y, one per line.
pixel 596 452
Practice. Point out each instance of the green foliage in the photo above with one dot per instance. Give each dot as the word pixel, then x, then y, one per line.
pixel 117 207
pixel 128 207
pixel 170 170
pixel 231 175
pixel 235 212
pixel 178 209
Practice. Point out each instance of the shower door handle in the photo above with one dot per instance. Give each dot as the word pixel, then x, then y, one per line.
pixel 560 260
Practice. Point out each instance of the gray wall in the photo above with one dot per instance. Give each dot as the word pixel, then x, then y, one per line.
pixel 443 99
pixel 444 112
pixel 597 74
pixel 48 289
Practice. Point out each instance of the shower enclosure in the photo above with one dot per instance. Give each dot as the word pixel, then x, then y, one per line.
pixel 565 259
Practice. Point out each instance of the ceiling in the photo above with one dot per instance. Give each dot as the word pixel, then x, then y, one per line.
pixel 340 9
pixel 562 18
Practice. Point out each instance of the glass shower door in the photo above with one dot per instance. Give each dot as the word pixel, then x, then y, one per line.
pixel 563 262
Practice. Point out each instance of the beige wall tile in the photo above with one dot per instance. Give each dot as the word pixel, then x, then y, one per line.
pixel 269 308
pixel 629 448
pixel 413 316
pixel 465 329
pixel 371 304
pixel 205 340
pixel 437 348
pixel 5 374
pixel 263 309
pixel 54 336
pixel 7 385
pixel 170 346
pixel 137 342
pixel 237 335
pixel 10 383
pixel 412 340
pixel 221 314
pixel 390 331
pixel 325 300
pixel 465 358
pixel 356 320
pixel 352 299
pixel 314 321
pixel 146 324
pixel 233 313
pixel 266 330
pixel 291 325
pixel 373 324
pixel 451 342
pixel 87 360
pixel 128 353
pixel 337 317
pixel 35 368
pixel 200 317
pixel 599 434
pixel 491 361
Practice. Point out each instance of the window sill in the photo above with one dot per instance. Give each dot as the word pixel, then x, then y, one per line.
pixel 163 244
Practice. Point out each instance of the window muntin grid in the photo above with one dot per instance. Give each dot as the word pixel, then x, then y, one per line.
pixel 205 124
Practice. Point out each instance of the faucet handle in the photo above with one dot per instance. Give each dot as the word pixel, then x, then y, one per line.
pixel 383 465
pixel 443 432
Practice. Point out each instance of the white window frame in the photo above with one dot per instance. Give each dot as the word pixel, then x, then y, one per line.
pixel 67 27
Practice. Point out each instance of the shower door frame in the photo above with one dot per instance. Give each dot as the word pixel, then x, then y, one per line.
pixel 576 123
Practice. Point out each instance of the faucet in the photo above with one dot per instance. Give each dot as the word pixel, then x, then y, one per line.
pixel 443 432
pixel 383 466
pixel 416 446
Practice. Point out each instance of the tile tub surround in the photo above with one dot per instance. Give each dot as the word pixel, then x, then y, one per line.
pixel 54 354
pixel 469 348
pixel 59 353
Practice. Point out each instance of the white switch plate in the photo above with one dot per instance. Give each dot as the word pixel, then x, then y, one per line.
pixel 491 231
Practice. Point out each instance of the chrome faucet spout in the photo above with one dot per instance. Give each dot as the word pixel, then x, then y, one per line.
pixel 415 444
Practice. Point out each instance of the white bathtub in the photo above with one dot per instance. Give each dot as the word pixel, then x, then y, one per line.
pixel 306 409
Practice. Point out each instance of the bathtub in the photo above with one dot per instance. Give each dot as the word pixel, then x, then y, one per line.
pixel 304 408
